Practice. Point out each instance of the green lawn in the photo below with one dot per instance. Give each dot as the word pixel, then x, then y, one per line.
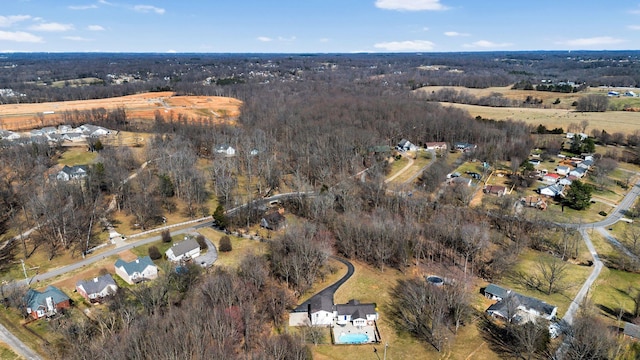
pixel 7 354
pixel 240 247
pixel 527 264
pixel 397 165
pixel 614 290
pixel 370 285
pixel 77 156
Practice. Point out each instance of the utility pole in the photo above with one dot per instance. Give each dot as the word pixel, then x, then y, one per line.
pixel 385 351
pixel 24 269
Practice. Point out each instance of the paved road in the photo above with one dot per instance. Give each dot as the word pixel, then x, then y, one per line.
pixel 16 345
pixel 331 289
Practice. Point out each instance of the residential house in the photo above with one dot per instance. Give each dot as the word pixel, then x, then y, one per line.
pixel 551 190
pixel 465 147
pixel 578 172
pixel 273 221
pixel 586 164
pixel 631 331
pixel 8 135
pixel 138 270
pixel 534 162
pixel 226 150
pixel 518 308
pixel 321 310
pixel 46 303
pixel 72 172
pixel 495 292
pixel 550 178
pixel 406 145
pixel 89 130
pixel 573 135
pixel 567 180
pixel 73 137
pixel 48 130
pixel 534 201
pixel 460 180
pixel 94 290
pixel 184 250
pixel 563 170
pixel 356 313
pixel 437 146
pixel 495 190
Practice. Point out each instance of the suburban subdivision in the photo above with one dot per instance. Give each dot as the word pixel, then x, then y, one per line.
pixel 329 206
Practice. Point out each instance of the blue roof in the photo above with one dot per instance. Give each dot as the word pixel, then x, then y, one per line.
pixel 136 266
pixel 35 298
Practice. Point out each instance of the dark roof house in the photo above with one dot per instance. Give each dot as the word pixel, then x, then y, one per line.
pixel 273 221
pixel 97 288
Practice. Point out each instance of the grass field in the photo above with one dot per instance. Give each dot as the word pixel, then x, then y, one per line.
pixel 240 248
pixel 370 285
pixel 527 265
pixel 77 155
pixel 7 354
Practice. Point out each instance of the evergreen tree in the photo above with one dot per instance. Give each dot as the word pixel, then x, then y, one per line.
pixel 579 195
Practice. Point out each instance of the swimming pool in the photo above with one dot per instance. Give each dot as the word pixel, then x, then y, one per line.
pixel 354 338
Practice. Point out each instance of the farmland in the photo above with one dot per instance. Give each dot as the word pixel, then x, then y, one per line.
pixel 138 107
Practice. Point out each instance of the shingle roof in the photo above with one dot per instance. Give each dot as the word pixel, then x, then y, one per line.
pixel 321 302
pixel 496 290
pixel 136 266
pixel 96 285
pixel 356 309
pixel 632 330
pixel 35 298
pixel 184 247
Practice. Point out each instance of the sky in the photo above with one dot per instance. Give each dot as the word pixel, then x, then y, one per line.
pixel 315 26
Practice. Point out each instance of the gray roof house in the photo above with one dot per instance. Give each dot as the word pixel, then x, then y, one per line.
pixel 184 250
pixel 97 288
pixel 520 308
pixel 273 221
pixel 321 310
pixel 356 313
pixel 632 330
pixel 495 292
pixel 72 172
pixel 137 270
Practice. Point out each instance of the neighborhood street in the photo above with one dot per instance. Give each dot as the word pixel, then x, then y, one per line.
pixel 16 345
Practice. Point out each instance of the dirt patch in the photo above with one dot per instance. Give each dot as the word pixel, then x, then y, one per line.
pixel 17 117
pixel 69 283
pixel 127 256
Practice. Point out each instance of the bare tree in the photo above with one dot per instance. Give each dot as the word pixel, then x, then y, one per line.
pixel 552 274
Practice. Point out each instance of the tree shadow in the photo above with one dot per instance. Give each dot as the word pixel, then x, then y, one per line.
pixel 497 338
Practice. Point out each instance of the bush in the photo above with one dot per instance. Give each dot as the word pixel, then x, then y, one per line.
pixel 602 213
pixel 166 236
pixel 202 242
pixel 154 253
pixel 225 244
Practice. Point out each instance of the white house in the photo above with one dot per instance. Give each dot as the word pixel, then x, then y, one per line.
pixel 321 310
pixel 563 170
pixel 356 313
pixel 550 178
pixel 137 270
pixel 226 150
pixel 97 288
pixel 578 172
pixel 519 308
pixel 551 190
pixel 183 251
pixel 72 173
pixel 406 145
pixel 436 146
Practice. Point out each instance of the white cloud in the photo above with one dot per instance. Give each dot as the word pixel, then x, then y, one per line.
pixel 148 9
pixel 264 39
pixel 95 28
pixel 486 44
pixel 324 40
pixel 19 36
pixel 634 11
pixel 455 33
pixel 82 7
pixel 6 21
pixel 409 45
pixel 171 51
pixel 52 27
pixel 410 5
pixel 280 38
pixel 593 41
pixel 633 27
pixel 76 38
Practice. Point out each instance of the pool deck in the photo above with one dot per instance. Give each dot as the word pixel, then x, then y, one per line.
pixel 369 330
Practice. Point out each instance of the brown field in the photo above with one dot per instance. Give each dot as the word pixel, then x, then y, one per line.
pixel 138 107
pixel 552 116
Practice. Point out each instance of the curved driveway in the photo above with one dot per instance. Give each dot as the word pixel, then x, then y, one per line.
pixel 331 289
